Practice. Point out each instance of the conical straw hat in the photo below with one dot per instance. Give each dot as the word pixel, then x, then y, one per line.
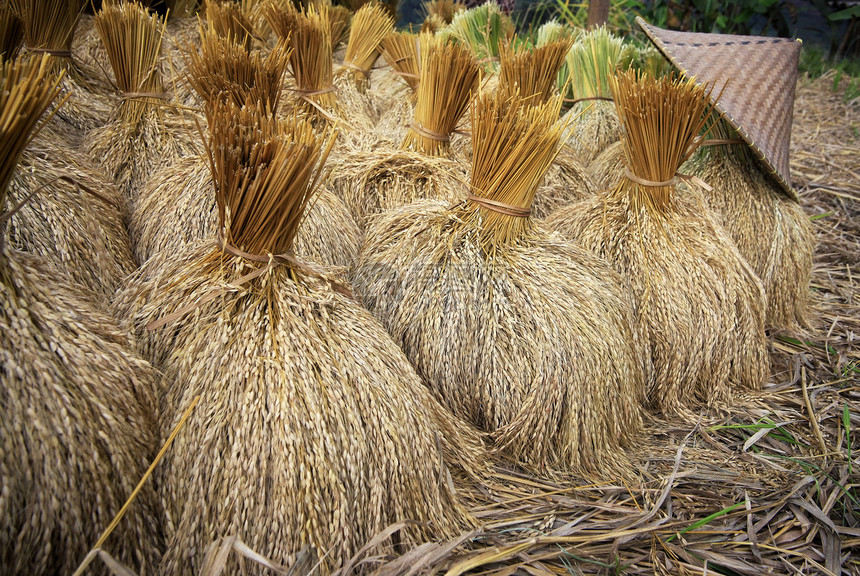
pixel 759 75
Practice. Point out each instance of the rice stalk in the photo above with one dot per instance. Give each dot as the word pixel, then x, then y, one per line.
pixel 220 68
pixel 770 229
pixel 11 32
pixel 700 306
pixel 552 31
pixel 309 34
pixel 228 21
pixel 591 62
pixel 443 9
pixel 449 75
pixel 433 24
pixel 180 9
pixel 390 5
pixel 527 336
pixel 302 446
pixel 530 71
pixel 78 408
pixel 340 18
pixel 370 25
pixel 400 51
pixel 483 29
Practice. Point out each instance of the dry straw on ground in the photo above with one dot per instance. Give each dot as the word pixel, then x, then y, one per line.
pixel 770 228
pixel 141 134
pixel 313 432
pixel 78 407
pixel 522 333
pixel 699 304
pixel 370 25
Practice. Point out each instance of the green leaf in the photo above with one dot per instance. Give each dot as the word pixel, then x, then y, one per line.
pixel 847 14
pixel 706 519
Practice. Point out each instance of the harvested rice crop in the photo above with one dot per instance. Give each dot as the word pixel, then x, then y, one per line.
pixel 370 25
pixel 700 306
pixel 529 337
pixel 313 431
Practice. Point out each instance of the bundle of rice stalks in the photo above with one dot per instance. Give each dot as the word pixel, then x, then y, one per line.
pixel 400 51
pixel 449 75
pixel 313 430
pixel 141 134
pixel 309 35
pixel 768 226
pixel 220 68
pixel 531 71
pixel 49 28
pixel 433 24
pixel 701 307
pixel 390 5
pixel 483 29
pixel 228 20
pixel 528 336
pixel 591 63
pixel 74 218
pixel 340 18
pixel 11 33
pixel 78 407
pixel 370 25
pixel 181 9
pixel 444 10
pixel 553 31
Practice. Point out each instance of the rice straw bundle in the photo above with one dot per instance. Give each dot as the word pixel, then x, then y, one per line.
pixel 138 137
pixel 309 34
pixel 75 217
pixel 356 5
pixel 524 334
pixel 531 71
pixel 221 68
pixel 400 52
pixel 340 18
pixel 769 228
pixel 49 28
pixel 449 75
pixel 313 430
pixel 181 9
pixel 483 29
pixel 77 426
pixel 228 20
pixel 433 24
pixel 445 10
pixel 553 31
pixel 11 33
pixel 591 63
pixel 701 308
pixel 370 25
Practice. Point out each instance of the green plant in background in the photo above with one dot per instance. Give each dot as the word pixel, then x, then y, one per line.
pixel 482 29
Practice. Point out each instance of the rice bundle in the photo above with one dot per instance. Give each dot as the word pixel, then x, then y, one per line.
pixel 370 25
pixel 444 10
pixel 769 228
pixel 229 21
pixel 177 204
pixel 526 335
pixel 376 179
pixel 400 52
pixel 309 34
pixel 138 137
pixel 552 31
pixel 483 29
pixel 531 71
pixel 591 62
pixel 313 430
pixel 77 426
pixel 340 18
pixel 49 28
pixel 449 75
pixel 11 33
pixel 700 305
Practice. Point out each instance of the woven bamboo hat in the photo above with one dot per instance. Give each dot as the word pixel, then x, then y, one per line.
pixel 759 75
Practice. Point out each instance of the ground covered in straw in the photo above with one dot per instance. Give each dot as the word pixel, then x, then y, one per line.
pixel 770 486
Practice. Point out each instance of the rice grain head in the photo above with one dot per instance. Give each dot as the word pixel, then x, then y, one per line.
pixel 525 335
pixel 700 306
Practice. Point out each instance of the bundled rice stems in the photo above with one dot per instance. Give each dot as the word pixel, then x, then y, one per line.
pixel 483 29
pixel 529 337
pixel 400 52
pixel 309 34
pixel 531 71
pixel 78 407
pixel 591 62
pixel 49 28
pixel 313 431
pixel 700 306
pixel 370 25
pixel 449 75
pixel 11 33
pixel 552 31
pixel 230 21
pixel 340 18
pixel 769 228
pixel 139 136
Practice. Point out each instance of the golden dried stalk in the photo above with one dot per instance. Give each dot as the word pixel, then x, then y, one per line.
pixel 449 75
pixel 400 51
pixel 443 9
pixel 11 33
pixel 370 25
pixel 49 26
pixel 531 72
pixel 228 21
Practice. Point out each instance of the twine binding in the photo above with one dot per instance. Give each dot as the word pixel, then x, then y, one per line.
pixel 500 207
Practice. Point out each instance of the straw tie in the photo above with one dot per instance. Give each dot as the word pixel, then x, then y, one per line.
pixel 271 261
pixel 688 178
pixel 134 95
pixel 52 52
pixel 427 133
pixel 500 207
